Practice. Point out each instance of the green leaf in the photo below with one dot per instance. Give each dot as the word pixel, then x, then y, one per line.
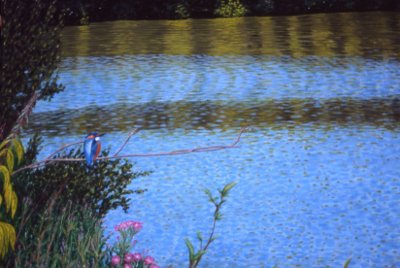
pixel 210 197
pixel 199 254
pixel 7 238
pixel 3 153
pixel 10 161
pixel 227 188
pixel 18 150
pixel 4 143
pixel 8 195
pixel 191 249
pixel 5 174
pixel 199 236
pixel 14 204
pixel 347 263
pixel 208 193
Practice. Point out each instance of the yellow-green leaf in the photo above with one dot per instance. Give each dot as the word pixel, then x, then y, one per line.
pixel 229 186
pixel 8 196
pixel 3 153
pixel 13 235
pixel 5 174
pixel 18 150
pixel 14 204
pixel 1 199
pixel 190 247
pixel 2 242
pixel 10 161
pixel 4 143
pixel 7 238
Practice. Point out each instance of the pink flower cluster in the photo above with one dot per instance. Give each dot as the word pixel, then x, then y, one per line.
pixel 133 225
pixel 124 245
pixel 133 259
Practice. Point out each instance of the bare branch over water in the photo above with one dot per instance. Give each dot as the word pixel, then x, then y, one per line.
pixel 49 160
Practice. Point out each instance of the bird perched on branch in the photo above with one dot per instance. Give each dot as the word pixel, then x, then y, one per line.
pixel 92 147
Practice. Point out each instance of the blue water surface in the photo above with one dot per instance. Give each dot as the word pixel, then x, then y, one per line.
pixel 154 78
pixel 308 194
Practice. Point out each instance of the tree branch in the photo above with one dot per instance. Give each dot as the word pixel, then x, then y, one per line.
pixel 49 160
pixel 61 148
pixel 22 119
pixel 136 130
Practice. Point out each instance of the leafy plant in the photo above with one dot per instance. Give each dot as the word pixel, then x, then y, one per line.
pixel 63 205
pixel 11 153
pixel 101 188
pixel 230 8
pixel 124 245
pixel 181 11
pixel 195 256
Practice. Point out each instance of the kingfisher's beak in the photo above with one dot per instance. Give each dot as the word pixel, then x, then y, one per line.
pixel 100 135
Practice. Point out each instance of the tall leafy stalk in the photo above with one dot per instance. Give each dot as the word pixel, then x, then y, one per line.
pixel 195 257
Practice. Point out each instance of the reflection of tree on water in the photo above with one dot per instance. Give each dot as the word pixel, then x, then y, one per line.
pixel 377 112
pixel 348 34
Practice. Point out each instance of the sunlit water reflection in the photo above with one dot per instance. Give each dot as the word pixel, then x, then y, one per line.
pixel 318 178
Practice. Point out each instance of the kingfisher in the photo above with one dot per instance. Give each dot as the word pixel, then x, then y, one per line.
pixel 91 147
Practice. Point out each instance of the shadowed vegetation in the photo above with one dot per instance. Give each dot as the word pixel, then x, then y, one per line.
pixel 85 11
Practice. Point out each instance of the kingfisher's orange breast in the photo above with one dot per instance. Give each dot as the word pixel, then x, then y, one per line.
pixel 97 150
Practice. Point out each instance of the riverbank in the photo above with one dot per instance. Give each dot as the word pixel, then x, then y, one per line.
pixel 87 11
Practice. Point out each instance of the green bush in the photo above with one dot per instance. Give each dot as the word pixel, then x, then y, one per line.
pixel 59 221
pixel 230 8
pixel 101 188
pixel 181 11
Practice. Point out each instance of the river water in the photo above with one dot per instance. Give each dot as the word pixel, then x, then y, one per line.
pixel 318 173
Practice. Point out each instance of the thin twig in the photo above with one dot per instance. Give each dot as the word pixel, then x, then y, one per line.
pixel 62 148
pixel 116 156
pixel 24 115
pixel 133 132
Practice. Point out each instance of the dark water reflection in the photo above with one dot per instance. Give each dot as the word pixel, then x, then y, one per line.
pixel 378 112
pixel 318 177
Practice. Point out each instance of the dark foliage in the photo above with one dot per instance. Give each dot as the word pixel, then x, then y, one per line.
pixel 85 11
pixel 29 54
pixel 100 188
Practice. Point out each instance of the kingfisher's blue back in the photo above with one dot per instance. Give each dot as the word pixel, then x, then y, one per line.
pixel 91 148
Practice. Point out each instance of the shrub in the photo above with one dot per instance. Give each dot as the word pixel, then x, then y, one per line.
pixel 59 221
pixel 230 8
pixel 101 188
pixel 181 11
